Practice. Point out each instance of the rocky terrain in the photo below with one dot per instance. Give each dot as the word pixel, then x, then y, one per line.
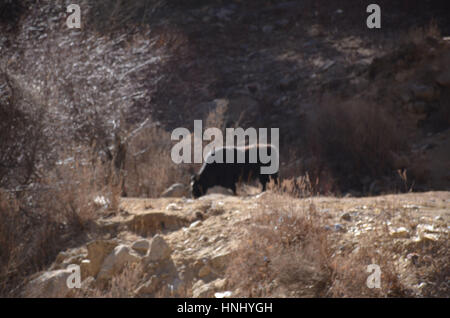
pixel 85 140
pixel 181 247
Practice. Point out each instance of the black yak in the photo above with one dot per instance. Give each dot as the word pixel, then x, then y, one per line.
pixel 227 174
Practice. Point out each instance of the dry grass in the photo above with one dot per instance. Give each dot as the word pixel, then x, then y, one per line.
pixel 149 167
pixel 122 285
pixel 285 250
pixel 288 252
pixel 419 35
pixel 301 186
pixel 53 213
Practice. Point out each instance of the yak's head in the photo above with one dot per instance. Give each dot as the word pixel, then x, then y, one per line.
pixel 196 187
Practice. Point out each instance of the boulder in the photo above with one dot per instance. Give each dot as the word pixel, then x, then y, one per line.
pixel 52 284
pixel 141 246
pixel 97 252
pixel 158 251
pixel 346 216
pixel 116 261
pixel 202 290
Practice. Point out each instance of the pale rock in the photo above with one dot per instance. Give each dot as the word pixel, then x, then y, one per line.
pixel 116 261
pixel 226 294
pixel 51 284
pixel 97 252
pixel 141 246
pixel 159 250
pixel 173 207
pixel 195 224
pixel 202 290
pixel 400 232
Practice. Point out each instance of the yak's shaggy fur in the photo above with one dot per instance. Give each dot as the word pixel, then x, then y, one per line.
pixel 228 174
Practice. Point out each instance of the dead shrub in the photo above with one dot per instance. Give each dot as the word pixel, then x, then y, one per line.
pixel 41 219
pixel 284 251
pixel 297 187
pixel 350 275
pixel 149 167
pixel 353 140
pixel 122 285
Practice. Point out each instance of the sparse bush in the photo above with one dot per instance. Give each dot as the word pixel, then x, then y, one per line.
pixel 286 248
pixel 50 214
pixel 354 140
pixel 149 168
pixel 288 252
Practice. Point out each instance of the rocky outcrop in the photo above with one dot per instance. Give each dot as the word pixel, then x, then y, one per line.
pixel 116 261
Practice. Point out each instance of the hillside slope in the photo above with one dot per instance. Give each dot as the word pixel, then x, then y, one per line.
pixel 197 248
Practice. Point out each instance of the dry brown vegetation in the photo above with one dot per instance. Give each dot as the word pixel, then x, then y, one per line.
pixel 355 139
pixel 72 142
pixel 289 251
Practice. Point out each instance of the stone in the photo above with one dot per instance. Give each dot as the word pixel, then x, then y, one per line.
pixel 346 216
pixel 52 284
pixel 177 190
pixel 97 252
pixel 149 287
pixel 141 246
pixel 400 232
pixel 202 290
pixel 195 224
pixel 429 237
pixel 159 250
pixel 220 261
pixel 226 294
pixel 173 207
pixel 116 261
pixel 339 228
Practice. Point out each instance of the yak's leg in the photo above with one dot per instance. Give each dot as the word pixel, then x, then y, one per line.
pixel 233 188
pixel 275 178
pixel 263 179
